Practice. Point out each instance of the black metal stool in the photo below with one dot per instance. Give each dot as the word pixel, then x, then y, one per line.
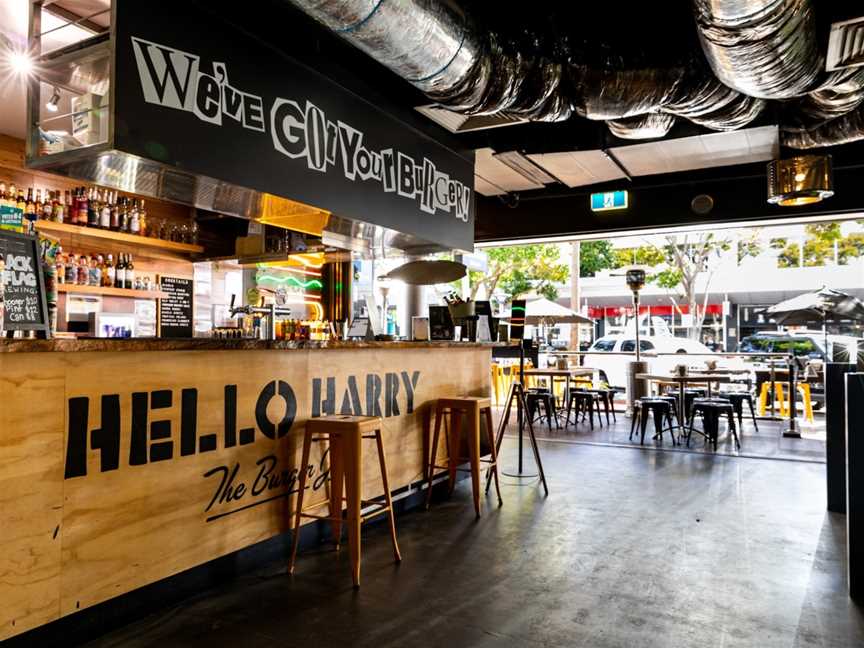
pixel 645 407
pixel 738 399
pixel 605 397
pixel 690 394
pixel 711 410
pixel 584 405
pixel 537 397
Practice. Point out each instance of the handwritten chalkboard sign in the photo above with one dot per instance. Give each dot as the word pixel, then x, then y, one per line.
pixel 23 284
pixel 175 311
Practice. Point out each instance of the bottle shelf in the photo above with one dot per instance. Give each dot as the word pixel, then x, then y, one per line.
pixel 119 237
pixel 111 292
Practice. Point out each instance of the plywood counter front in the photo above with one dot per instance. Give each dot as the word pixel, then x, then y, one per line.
pixel 122 466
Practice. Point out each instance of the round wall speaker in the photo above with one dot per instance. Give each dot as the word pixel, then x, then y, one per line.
pixel 702 204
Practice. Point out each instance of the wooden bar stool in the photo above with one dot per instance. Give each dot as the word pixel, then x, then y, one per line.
pixel 345 434
pixel 474 408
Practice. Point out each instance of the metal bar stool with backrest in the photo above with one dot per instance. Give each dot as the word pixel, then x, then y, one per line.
pixel 345 435
pixel 474 408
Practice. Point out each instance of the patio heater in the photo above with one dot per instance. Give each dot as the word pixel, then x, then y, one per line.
pixel 635 279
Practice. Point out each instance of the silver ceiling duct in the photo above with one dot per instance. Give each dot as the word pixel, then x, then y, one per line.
pixel 650 126
pixel 845 129
pixel 756 48
pixel 763 48
pixel 841 93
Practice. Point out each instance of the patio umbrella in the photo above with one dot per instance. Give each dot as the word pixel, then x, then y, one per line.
pixel 825 304
pixel 541 311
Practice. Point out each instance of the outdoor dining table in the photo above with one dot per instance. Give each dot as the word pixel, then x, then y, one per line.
pixel 714 376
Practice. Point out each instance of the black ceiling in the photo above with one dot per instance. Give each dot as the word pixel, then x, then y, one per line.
pixel 656 33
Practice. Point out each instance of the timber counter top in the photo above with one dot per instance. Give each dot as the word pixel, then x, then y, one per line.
pixel 212 344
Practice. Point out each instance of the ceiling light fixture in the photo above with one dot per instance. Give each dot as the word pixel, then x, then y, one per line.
pixel 525 167
pixel 20 62
pixel 801 180
pixel 53 102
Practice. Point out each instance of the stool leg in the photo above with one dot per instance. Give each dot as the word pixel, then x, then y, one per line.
pixel 387 498
pixel 353 488
pixel 752 413
pixel 453 447
pixel 607 406
pixel 644 425
pixel 433 455
pixel 494 466
pixel 633 422
pixel 733 430
pixel 337 488
pixel 304 462
pixel 474 456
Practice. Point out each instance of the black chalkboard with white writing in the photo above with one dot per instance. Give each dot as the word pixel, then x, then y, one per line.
pixel 175 310
pixel 23 284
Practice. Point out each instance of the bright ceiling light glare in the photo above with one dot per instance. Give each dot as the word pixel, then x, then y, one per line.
pixel 20 63
pixel 53 102
pixel 800 180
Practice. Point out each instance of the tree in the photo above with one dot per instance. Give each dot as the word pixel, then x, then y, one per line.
pixel 823 244
pixel 519 269
pixel 595 256
pixel 686 260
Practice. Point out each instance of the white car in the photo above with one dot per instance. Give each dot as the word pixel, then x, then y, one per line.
pixel 615 366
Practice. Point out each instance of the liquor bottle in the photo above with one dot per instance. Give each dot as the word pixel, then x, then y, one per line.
pixel 144 227
pixel 30 207
pixel 83 270
pixel 120 273
pixel 130 272
pixel 124 214
pixel 71 269
pixel 60 266
pixel 22 202
pixel 108 272
pixel 3 193
pixel 37 205
pixel 134 222
pixel 75 208
pixel 48 205
pixel 59 208
pixel 12 196
pixel 114 212
pixel 92 214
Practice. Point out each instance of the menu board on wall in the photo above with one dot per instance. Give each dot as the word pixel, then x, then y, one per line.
pixel 23 284
pixel 175 310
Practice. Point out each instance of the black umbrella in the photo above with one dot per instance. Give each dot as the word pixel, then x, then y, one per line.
pixel 825 304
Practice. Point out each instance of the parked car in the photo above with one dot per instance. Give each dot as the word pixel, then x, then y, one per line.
pixel 615 366
pixel 804 344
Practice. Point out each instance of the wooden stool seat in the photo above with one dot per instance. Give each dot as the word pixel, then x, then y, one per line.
pixel 344 435
pixel 474 408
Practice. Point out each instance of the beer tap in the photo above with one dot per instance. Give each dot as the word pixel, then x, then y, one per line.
pixel 270 313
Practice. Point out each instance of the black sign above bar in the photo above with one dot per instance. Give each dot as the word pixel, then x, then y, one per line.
pixel 198 94
pixel 175 311
pixel 23 284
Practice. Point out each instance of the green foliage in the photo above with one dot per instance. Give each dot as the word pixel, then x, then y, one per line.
pixel 819 244
pixel 595 256
pixel 648 255
pixel 669 278
pixel 519 269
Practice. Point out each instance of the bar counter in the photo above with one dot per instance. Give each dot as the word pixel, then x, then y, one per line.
pixel 123 462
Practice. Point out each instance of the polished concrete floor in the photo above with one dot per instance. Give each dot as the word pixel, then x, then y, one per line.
pixel 632 548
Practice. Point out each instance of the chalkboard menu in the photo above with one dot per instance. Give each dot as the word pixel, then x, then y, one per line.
pixel 175 310
pixel 23 284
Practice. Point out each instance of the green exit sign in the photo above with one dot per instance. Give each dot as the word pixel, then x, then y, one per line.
pixel 609 200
